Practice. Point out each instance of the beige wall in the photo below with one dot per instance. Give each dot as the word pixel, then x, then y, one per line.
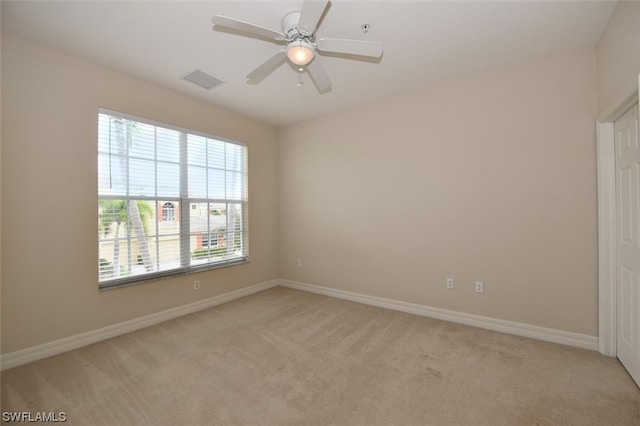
pixel 619 56
pixel 49 104
pixel 491 177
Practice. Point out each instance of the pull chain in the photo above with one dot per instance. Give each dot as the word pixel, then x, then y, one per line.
pixel 300 82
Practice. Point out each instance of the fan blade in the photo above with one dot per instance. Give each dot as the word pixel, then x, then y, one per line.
pixel 310 15
pixel 256 30
pixel 318 75
pixel 268 67
pixel 350 47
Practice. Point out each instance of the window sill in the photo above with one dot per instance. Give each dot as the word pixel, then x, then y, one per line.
pixel 157 276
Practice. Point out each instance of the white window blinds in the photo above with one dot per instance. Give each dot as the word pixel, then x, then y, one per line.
pixel 170 201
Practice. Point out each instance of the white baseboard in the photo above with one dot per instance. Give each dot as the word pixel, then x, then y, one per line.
pixel 34 353
pixel 516 328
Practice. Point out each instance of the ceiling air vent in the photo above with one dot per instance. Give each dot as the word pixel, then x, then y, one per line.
pixel 203 79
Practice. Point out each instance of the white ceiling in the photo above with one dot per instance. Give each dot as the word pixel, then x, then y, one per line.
pixel 424 43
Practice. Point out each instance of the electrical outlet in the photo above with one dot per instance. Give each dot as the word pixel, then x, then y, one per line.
pixel 449 282
pixel 196 285
pixel 298 262
pixel 479 287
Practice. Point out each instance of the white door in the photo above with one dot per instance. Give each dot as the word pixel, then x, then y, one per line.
pixel 627 152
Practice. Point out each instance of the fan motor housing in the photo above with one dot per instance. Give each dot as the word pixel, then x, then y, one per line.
pixel 290 25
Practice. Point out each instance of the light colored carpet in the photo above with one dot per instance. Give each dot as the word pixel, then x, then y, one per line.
pixel 287 357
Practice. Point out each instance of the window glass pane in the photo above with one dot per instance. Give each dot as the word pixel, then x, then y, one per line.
pixel 234 157
pixel 234 229
pixel 126 235
pixel 104 133
pixel 140 139
pixel 168 220
pixel 234 217
pixel 110 176
pixel 234 186
pixel 168 145
pixel 169 252
pixel 141 218
pixel 208 230
pixel 216 184
pixel 197 182
pixel 218 217
pixel 168 179
pixel 199 240
pixel 216 152
pixel 167 245
pixel 142 177
pixel 196 150
pixel 198 210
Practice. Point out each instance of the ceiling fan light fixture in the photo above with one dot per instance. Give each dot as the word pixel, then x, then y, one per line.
pixel 300 52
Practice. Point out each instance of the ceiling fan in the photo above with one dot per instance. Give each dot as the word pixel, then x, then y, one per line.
pixel 298 34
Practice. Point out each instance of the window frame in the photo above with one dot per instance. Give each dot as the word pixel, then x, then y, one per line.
pixel 181 206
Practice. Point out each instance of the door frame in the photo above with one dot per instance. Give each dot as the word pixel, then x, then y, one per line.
pixel 607 213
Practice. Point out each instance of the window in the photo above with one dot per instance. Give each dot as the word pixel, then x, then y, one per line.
pixel 210 240
pixel 168 212
pixel 161 190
